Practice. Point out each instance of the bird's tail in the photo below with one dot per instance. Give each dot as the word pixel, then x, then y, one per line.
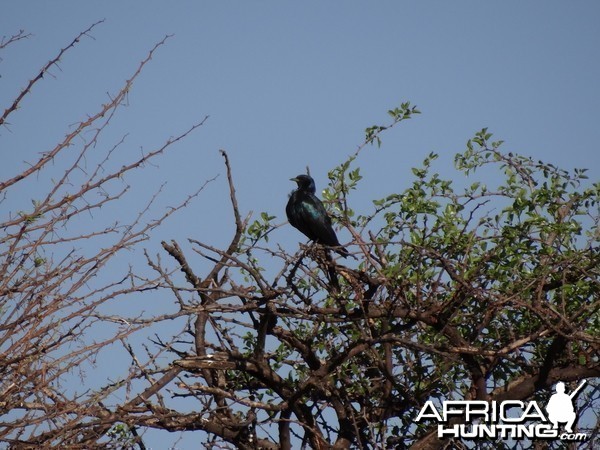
pixel 341 251
pixel 331 272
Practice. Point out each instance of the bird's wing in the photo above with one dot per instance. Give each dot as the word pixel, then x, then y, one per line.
pixel 301 215
pixel 315 216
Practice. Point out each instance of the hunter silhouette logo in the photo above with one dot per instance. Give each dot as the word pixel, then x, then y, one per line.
pixel 560 407
pixel 478 419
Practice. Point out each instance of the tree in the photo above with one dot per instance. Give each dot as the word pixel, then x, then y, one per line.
pixel 481 292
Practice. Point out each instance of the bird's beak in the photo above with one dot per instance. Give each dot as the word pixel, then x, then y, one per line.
pixel 294 179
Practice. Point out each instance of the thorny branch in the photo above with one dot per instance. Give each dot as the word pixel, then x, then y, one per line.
pixel 52 293
pixel 21 35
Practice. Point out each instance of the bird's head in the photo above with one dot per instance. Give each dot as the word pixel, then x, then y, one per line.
pixel 305 183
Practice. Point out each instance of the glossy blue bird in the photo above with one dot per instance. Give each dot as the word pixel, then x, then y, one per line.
pixel 307 213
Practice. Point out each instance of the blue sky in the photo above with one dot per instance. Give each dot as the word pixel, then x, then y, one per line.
pixel 291 84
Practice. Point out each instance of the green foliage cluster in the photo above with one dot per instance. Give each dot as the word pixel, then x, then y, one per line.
pixel 461 289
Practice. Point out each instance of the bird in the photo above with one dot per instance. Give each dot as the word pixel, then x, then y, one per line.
pixel 306 213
